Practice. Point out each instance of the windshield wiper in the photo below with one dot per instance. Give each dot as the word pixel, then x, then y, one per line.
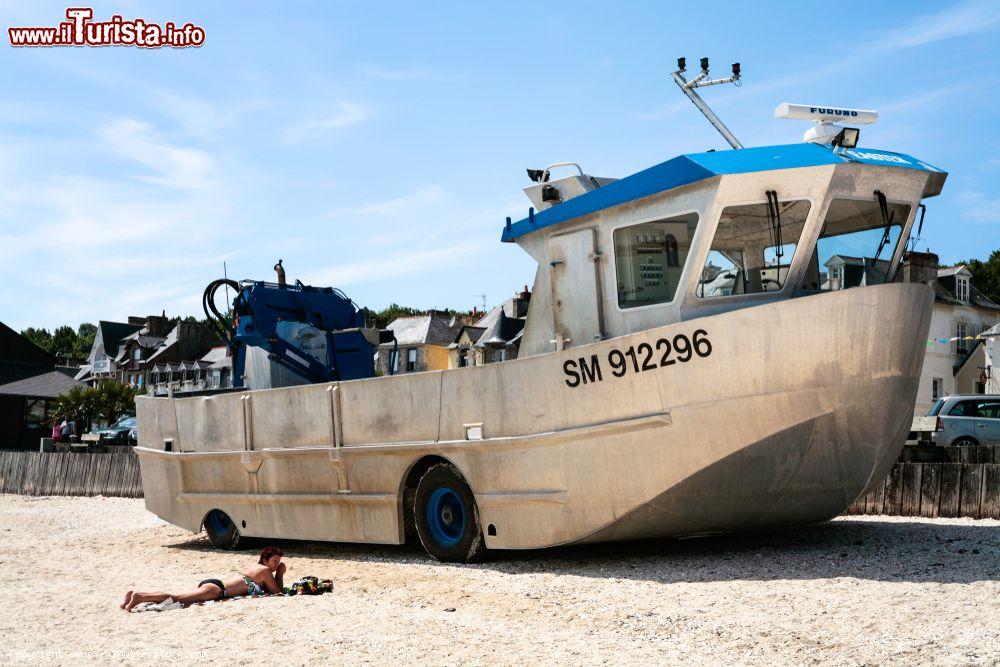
pixel 887 223
pixel 774 216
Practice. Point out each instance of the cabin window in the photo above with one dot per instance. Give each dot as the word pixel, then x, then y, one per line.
pixel 649 259
pixel 856 246
pixel 752 251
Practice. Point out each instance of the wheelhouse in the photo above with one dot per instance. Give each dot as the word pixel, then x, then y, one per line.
pixel 712 232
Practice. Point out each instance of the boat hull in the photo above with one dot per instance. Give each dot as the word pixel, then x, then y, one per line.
pixel 782 414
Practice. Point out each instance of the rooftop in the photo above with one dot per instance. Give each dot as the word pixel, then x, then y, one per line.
pixel 424 330
pixel 695 167
pixel 45 385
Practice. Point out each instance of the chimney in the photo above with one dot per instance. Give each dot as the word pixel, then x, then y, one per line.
pixel 521 301
pixel 157 325
pixel 919 267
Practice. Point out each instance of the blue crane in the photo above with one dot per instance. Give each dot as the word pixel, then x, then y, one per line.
pixel 317 332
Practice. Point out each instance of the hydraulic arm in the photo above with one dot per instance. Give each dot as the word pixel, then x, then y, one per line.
pixel 317 332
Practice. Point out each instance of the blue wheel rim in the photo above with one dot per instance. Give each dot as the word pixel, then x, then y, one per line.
pixel 446 517
pixel 218 522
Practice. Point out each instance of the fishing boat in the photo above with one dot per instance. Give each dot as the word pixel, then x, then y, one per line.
pixel 720 342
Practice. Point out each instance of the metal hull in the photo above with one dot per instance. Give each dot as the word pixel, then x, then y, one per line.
pixel 799 407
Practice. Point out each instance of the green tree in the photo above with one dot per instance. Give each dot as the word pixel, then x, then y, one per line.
pixel 107 402
pixel 75 405
pixel 986 275
pixel 381 318
pixel 85 335
pixel 113 400
pixel 40 337
pixel 63 341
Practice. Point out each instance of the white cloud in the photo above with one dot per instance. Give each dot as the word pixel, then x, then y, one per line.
pixel 666 111
pixel 176 167
pixel 979 207
pixel 922 100
pixel 952 21
pixel 344 114
pixel 80 247
pixel 199 117
pixel 404 263
pixel 423 195
pixel 406 74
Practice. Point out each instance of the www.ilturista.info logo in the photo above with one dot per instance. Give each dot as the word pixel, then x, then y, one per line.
pixel 81 30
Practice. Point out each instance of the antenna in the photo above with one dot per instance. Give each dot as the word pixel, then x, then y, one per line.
pixel 700 81
pixel 826 130
pixel 483 297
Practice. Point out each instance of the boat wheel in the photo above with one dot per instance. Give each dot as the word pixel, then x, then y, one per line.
pixel 221 530
pixel 446 516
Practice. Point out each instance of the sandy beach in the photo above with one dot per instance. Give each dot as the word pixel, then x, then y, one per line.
pixel 855 591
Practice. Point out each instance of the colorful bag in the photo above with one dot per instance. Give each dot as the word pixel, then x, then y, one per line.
pixel 309 586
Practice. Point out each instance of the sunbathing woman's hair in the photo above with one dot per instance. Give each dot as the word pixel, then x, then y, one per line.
pixel 267 553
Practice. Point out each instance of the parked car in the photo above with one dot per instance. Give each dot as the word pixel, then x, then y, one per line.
pixel 122 432
pixel 967 420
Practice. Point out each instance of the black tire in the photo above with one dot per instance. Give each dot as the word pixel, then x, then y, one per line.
pixel 965 441
pixel 446 516
pixel 221 530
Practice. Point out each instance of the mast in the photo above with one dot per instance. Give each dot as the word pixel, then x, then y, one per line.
pixel 687 87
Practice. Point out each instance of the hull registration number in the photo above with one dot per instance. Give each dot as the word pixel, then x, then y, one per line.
pixel 637 358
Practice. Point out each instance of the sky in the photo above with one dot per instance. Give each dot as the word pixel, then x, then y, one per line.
pixel 378 147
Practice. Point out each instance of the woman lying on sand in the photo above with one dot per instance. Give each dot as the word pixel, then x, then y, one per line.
pixel 261 579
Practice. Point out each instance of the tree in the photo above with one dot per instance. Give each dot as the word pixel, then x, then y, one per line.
pixel 986 275
pixel 107 402
pixel 63 341
pixel 113 400
pixel 383 317
pixel 85 335
pixel 75 405
pixel 40 337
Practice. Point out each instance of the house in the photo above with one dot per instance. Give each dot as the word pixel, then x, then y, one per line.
pixel 503 326
pixel 462 352
pixel 181 350
pixel 961 314
pixel 843 271
pixel 152 349
pixel 213 370
pixel 30 383
pixel 422 343
pixel 980 372
pixel 138 347
pixel 100 362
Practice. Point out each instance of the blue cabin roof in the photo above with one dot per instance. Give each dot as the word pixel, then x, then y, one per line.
pixel 694 167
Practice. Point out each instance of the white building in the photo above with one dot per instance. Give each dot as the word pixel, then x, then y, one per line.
pixel 960 312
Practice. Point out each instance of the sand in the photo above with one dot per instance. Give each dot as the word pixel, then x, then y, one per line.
pixel 858 590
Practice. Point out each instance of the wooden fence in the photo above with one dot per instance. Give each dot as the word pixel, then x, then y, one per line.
pixel 970 489
pixel 70 474
pixel 936 489
pixel 932 454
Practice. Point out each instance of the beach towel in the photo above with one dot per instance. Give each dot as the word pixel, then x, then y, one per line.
pixel 166 605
